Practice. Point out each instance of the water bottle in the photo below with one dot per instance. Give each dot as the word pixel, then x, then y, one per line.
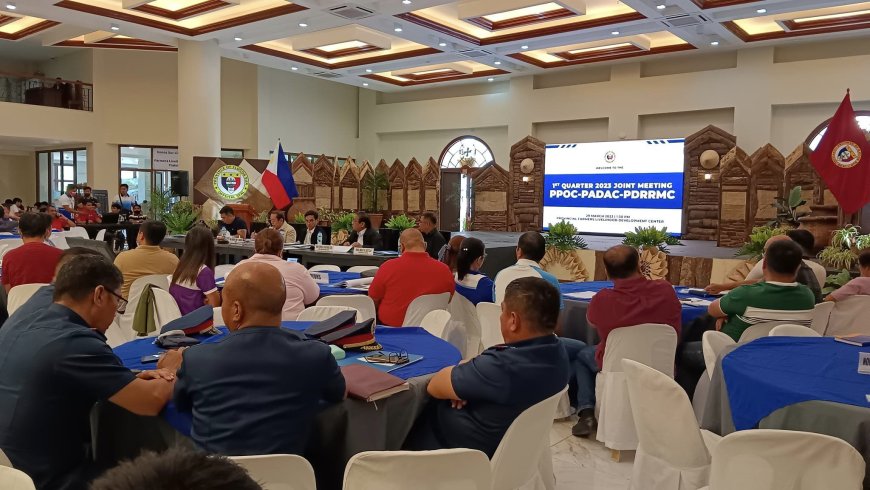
pixel 319 238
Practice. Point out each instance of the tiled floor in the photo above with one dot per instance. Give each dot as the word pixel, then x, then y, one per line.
pixel 586 463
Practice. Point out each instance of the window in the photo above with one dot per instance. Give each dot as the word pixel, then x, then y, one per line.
pixel 466 151
pixel 56 169
pixel 232 153
pixel 137 171
pixel 863 118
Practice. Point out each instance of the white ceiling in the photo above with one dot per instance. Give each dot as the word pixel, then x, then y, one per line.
pixel 318 18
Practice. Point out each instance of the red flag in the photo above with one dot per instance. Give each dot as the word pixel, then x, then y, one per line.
pixel 842 159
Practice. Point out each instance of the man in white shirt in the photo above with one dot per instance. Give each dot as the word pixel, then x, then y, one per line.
pixel 68 200
pixel 313 234
pixel 530 250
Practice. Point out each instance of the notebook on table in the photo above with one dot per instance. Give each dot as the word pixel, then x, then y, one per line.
pixel 368 384
pixel 858 340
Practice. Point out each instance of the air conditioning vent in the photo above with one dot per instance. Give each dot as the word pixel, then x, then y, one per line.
pixel 685 20
pixel 352 12
pixel 475 53
pixel 326 74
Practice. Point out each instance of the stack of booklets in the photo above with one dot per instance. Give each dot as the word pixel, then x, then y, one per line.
pixel 368 384
pixel 361 283
pixel 859 340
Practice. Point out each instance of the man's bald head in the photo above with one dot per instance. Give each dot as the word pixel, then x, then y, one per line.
pixel 622 262
pixel 412 240
pixel 254 295
pixel 776 238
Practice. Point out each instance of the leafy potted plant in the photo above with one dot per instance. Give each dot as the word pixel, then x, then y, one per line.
pixel 754 247
pixel 260 222
pixel 563 258
pixel 787 214
pixel 181 217
pixel 372 185
pixel 652 244
pixel 394 227
pixel 341 227
pixel 835 281
pixel 299 218
pixel 846 243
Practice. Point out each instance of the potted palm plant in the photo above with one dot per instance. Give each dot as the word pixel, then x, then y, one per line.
pixel 563 258
pixel 372 186
pixel 394 227
pixel 341 226
pixel 652 244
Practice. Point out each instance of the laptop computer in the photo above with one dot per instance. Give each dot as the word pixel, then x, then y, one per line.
pixel 110 218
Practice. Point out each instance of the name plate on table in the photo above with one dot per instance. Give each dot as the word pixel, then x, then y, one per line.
pixel 864 362
pixel 363 251
pixel 320 277
pixel 323 248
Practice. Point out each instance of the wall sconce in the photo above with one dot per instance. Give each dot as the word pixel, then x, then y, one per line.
pixel 525 178
pixel 708 177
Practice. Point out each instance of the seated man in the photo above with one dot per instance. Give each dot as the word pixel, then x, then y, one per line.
pixel 233 225
pixel 530 250
pixel 279 223
pixel 136 215
pixel 858 286
pixel 363 235
pixel 56 365
pixel 34 261
pixel 67 201
pixel 400 281
pixel 59 221
pixel 87 213
pixel 314 235
pixel 257 390
pixel 778 291
pixel 147 258
pixel 808 274
pixel 434 239
pixel 633 300
pixel 476 402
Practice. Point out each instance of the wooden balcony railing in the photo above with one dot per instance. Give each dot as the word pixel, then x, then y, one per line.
pixel 51 92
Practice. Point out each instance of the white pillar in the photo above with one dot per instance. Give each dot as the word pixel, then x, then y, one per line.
pixel 199 101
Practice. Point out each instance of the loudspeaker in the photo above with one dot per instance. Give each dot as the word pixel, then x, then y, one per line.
pixel 179 183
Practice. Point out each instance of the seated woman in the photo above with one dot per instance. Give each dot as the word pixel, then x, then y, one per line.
pixel 300 287
pixel 470 283
pixel 449 252
pixel 193 280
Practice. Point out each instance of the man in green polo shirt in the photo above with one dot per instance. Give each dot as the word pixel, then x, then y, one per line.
pixel 779 291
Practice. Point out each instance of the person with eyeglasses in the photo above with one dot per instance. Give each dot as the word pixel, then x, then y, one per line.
pixel 56 365
pixel 470 282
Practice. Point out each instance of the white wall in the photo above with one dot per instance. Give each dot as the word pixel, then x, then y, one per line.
pixel 77 65
pixel 23 185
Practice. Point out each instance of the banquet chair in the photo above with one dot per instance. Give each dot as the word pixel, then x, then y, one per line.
pixel 115 336
pixel 361 302
pixel 462 469
pixel 713 343
pixel 423 305
pixel 490 326
pixel 58 240
pixel 223 270
pixel 166 309
pixel 362 268
pixel 77 232
pixel 652 344
pixel 4 461
pixel 764 459
pixel 12 479
pixel 125 320
pixel 279 471
pixel 101 235
pixel 791 330
pixel 324 268
pixel 217 317
pixel 20 294
pixel 3 249
pixel 821 316
pixel 435 322
pixel 849 317
pixel 9 245
pixel 523 457
pixel 673 453
pixel 465 314
pixel 763 320
pixel 318 313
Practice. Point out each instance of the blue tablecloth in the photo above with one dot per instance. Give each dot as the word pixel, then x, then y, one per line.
pixel 689 312
pixel 437 354
pixel 326 289
pixel 774 372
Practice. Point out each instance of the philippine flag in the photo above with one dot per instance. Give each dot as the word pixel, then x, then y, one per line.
pixel 278 179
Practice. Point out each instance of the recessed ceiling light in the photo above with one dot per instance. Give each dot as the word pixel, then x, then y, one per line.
pixel 115 27
pixel 524 47
pixel 442 44
pixel 714 43
pixel 490 79
pixel 397 28
pixel 294 68
pixel 11 6
pixel 497 62
pixel 762 11
pixel 615 33
pixel 303 24
pixel 661 6
pixel 365 84
pixel 237 38
pixel 406 2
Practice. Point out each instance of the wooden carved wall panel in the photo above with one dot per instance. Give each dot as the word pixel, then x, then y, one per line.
pixel 526 209
pixel 799 170
pixel 766 183
pixel 734 180
pixel 324 182
pixel 366 171
pixel 431 182
pixel 414 186
pixel 303 175
pixel 701 201
pixel 398 188
pixel 492 196
pixel 348 184
pixel 384 196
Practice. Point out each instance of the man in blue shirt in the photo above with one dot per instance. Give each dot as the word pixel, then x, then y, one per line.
pixel 476 402
pixel 257 390
pixel 234 225
pixel 56 365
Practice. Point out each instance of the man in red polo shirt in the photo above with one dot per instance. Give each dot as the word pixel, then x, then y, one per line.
pixel 633 300
pixel 402 280
pixel 34 261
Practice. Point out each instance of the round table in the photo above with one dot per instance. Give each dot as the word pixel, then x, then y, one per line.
pixel 341 430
